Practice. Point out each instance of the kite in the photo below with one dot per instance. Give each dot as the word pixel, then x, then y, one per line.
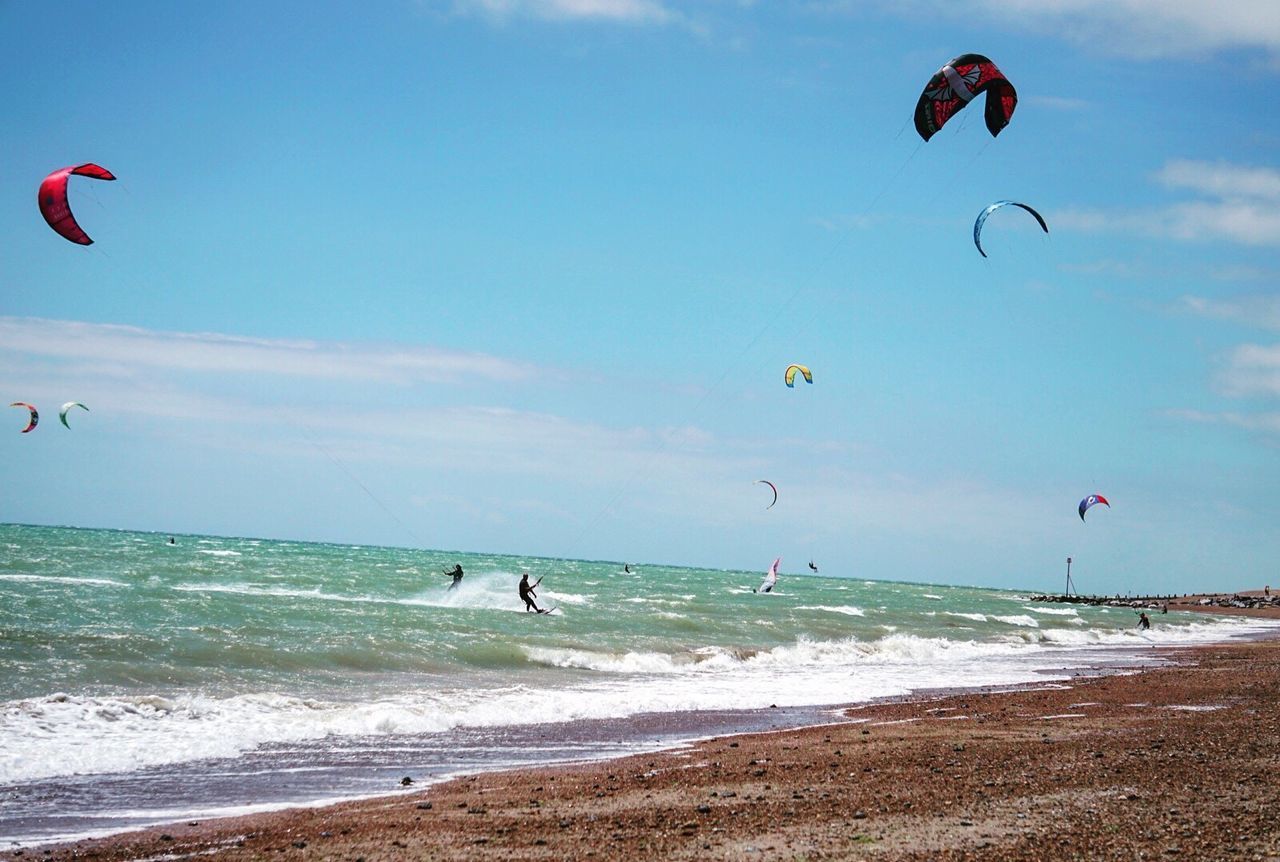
pixel 35 416
pixel 53 200
pixel 62 414
pixel 982 219
pixel 772 487
pixel 790 376
pixel 955 84
pixel 1092 500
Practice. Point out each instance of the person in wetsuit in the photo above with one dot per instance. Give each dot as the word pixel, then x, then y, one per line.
pixel 456 574
pixel 527 594
pixel 1144 622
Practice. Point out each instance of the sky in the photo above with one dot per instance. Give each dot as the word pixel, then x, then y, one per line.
pixel 523 276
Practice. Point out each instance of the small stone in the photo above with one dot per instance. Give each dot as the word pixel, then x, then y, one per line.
pixel 300 844
pixel 859 815
pixel 406 781
pixel 704 809
pixel 425 806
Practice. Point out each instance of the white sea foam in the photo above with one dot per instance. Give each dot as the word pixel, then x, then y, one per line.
pixel 223 552
pixel 62 579
pixel 1060 612
pixel 847 610
pixel 566 598
pixel 977 618
pixel 64 735
pixel 1018 620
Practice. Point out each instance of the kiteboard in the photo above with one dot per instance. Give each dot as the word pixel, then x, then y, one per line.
pixel 550 609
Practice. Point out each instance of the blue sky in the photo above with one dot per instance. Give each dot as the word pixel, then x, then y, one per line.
pixel 523 276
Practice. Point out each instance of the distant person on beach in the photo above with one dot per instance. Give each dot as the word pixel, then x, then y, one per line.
pixel 1266 590
pixel 1144 622
pixel 528 595
pixel 171 541
pixel 456 574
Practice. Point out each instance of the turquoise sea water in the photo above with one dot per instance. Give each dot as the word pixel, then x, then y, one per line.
pixel 123 656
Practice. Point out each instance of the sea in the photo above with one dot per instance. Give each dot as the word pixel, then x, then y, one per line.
pixel 144 681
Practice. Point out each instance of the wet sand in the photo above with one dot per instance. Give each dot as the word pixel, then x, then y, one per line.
pixel 1179 762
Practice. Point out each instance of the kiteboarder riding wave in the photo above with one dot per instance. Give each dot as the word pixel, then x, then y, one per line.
pixel 528 595
pixel 456 574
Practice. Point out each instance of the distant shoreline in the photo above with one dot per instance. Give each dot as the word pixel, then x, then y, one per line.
pixel 1246 603
pixel 1104 766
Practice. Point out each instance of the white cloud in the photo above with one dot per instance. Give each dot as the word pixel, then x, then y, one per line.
pixel 1252 369
pixel 620 11
pixel 1222 179
pixel 1243 206
pixel 1152 28
pixel 1260 310
pixel 1144 29
pixel 132 349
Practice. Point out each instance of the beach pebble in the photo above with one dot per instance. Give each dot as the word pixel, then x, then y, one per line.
pixel 425 806
pixel 859 815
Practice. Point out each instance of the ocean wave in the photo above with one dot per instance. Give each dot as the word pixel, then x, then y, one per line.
pixel 65 735
pixel 63 579
pixel 847 610
pixel 1018 620
pixel 1058 612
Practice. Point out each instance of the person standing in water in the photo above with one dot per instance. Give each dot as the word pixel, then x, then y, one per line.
pixel 527 594
pixel 456 574
pixel 1144 622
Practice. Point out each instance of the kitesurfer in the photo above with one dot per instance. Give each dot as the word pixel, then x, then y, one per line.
pixel 456 574
pixel 527 595
pixel 1144 621
pixel 626 567
pixel 812 566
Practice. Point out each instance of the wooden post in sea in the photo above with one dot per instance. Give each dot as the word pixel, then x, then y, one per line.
pixel 1068 590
